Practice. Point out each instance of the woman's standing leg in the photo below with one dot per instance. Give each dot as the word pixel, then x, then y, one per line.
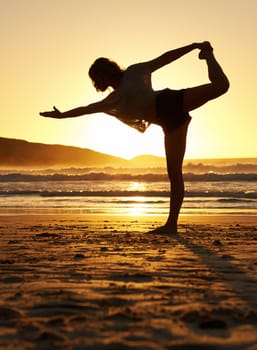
pixel 175 146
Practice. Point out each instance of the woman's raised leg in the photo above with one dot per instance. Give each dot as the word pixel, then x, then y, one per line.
pixel 197 96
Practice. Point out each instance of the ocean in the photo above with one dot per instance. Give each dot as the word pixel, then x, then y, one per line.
pixel 220 189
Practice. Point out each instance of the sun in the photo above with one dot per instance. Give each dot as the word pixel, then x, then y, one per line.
pixel 108 135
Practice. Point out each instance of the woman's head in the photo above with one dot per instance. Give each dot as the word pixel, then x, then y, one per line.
pixel 105 73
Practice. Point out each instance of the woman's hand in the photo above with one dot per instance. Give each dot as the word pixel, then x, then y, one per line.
pixel 205 50
pixel 204 45
pixel 52 114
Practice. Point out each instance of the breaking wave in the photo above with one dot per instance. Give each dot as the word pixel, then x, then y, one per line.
pixel 224 195
pixel 151 177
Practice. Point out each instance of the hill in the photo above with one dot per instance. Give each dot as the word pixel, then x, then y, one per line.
pixel 20 153
pixel 148 160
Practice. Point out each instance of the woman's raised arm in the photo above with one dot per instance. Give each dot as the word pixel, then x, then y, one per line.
pixel 171 56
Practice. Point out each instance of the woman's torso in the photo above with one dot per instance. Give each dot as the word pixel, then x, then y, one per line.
pixel 134 99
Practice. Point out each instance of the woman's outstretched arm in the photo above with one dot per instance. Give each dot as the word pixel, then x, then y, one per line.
pixel 77 112
pixel 171 56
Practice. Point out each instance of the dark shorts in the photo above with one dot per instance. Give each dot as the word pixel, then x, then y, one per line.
pixel 170 109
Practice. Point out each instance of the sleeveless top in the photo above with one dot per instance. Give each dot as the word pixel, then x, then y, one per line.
pixel 131 100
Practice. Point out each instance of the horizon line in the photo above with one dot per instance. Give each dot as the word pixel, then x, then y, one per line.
pixel 129 158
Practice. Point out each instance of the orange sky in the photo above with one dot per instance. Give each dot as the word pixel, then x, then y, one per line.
pixel 47 47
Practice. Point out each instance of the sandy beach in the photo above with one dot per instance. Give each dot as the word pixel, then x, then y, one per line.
pixel 94 282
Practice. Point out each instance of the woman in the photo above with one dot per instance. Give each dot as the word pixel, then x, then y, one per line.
pixel 134 102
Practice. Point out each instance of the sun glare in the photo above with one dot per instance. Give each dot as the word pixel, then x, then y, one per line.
pixel 137 186
pixel 139 207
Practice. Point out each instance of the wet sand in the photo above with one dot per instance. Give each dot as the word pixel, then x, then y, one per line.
pixel 93 282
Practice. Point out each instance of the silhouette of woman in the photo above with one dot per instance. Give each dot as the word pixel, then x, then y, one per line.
pixel 134 102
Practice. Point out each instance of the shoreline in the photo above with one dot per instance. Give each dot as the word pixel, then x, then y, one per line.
pixel 183 219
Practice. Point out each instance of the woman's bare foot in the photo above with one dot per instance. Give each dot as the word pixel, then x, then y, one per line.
pixel 164 230
pixel 206 50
